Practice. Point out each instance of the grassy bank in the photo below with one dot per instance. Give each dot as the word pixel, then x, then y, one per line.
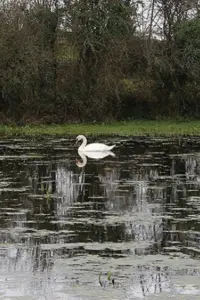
pixel 136 128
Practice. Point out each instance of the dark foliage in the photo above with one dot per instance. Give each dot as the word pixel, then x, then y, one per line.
pixel 87 61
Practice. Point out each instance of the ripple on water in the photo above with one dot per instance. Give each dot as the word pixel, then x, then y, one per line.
pixel 119 228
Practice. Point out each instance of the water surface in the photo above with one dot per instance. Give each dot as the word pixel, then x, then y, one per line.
pixel 123 227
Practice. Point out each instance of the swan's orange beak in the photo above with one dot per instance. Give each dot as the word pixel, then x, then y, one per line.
pixel 76 143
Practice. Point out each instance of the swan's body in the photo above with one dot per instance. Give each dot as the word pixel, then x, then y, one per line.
pixel 94 147
pixel 91 154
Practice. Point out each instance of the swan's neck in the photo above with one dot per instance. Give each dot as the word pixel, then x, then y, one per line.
pixel 84 143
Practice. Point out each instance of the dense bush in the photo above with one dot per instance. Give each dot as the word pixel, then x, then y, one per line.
pixel 87 61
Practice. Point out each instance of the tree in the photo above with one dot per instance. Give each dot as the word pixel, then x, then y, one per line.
pixel 28 67
pixel 99 32
pixel 187 40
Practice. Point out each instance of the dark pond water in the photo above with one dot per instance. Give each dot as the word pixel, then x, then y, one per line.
pixel 123 227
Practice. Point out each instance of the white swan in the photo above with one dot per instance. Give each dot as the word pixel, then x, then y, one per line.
pixel 92 154
pixel 92 147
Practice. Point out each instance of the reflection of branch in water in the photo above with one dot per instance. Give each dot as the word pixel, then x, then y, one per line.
pixel 81 180
pixel 159 279
pixel 41 259
pixel 141 282
pixel 155 284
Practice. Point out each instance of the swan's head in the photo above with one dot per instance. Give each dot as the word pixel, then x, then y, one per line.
pixel 80 137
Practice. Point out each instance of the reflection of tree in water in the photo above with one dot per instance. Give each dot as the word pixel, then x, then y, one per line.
pixel 97 186
pixel 150 281
pixel 118 195
pixel 109 202
pixel 132 199
pixel 67 188
pixel 83 201
pixel 26 258
pixel 75 187
pixel 182 202
pixel 155 280
pixel 42 259
pixel 25 269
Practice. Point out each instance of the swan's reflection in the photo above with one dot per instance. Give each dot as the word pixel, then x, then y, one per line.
pixel 92 154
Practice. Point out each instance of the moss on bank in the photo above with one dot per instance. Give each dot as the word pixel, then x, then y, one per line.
pixel 135 128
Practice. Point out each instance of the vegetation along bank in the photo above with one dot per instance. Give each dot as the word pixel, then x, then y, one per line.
pixel 132 128
pixel 85 61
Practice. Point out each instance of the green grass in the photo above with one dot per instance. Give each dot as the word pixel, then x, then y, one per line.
pixel 135 128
